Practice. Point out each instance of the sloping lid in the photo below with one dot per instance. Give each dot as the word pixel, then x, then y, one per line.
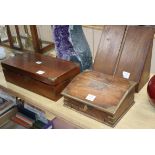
pixel 99 90
pixel 40 67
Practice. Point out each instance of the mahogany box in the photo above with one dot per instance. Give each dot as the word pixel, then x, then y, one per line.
pixel 121 67
pixel 41 74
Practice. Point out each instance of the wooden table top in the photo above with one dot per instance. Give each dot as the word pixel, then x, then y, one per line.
pixel 141 114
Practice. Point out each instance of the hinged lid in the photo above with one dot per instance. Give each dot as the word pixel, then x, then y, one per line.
pixel 99 90
pixel 43 68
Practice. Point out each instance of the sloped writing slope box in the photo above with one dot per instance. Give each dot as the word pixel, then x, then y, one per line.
pixel 100 96
pixel 41 74
pixel 121 66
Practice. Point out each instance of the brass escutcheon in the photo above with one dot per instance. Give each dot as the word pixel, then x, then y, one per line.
pixel 85 108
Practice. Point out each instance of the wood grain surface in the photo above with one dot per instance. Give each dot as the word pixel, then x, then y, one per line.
pixel 56 70
pixel 21 70
pixel 135 51
pixel 123 52
pixel 108 91
pixel 126 49
pixel 109 49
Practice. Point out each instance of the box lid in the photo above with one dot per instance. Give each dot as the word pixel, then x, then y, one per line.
pixel 43 68
pixel 99 90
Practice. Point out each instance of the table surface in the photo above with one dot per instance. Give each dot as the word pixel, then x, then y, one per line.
pixel 141 114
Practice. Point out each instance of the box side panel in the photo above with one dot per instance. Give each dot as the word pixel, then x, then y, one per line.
pixel 51 92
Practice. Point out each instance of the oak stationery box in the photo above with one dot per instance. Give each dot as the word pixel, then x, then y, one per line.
pixel 41 74
pixel 121 67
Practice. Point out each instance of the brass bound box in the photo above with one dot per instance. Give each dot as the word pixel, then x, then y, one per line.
pixel 121 67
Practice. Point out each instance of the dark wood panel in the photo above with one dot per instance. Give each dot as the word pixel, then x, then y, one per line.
pixel 35 38
pixel 21 70
pixel 56 70
pixel 51 92
pixel 9 36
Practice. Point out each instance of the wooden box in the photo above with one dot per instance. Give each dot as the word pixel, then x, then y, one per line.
pixel 121 66
pixel 41 74
pixel 100 96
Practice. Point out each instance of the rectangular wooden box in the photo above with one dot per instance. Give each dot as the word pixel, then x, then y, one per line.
pixel 41 74
pixel 100 96
pixel 121 67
